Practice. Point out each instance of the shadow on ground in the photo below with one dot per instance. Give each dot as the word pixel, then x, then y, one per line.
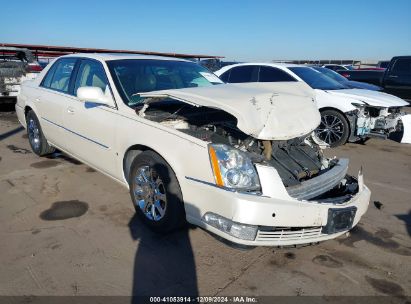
pixel 407 220
pixel 11 133
pixel 164 264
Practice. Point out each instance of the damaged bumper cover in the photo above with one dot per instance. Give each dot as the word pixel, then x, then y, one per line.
pixel 318 185
pixel 265 220
pixel 370 121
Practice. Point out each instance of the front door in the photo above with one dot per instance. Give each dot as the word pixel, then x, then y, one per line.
pixel 90 127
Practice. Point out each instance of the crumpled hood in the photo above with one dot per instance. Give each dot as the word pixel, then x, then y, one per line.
pixel 267 111
pixel 373 98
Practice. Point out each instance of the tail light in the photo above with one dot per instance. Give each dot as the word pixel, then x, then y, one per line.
pixel 35 67
pixel 345 75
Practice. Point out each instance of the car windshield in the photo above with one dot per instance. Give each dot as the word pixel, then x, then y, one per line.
pixel 384 64
pixel 134 76
pixel 332 74
pixel 316 79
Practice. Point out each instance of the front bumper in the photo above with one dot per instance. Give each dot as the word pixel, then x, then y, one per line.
pixel 379 125
pixel 290 221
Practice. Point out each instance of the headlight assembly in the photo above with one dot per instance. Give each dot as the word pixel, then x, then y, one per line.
pixel 232 168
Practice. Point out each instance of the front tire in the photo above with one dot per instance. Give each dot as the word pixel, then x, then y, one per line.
pixel 155 193
pixel 37 140
pixel 333 129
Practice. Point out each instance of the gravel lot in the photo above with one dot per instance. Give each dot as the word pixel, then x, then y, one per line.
pixel 66 229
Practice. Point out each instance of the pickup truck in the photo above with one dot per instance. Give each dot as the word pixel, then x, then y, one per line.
pixel 395 80
pixel 16 66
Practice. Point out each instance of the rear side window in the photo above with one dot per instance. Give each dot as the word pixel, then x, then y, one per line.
pixel 402 66
pixel 270 74
pixel 224 77
pixel 62 74
pixel 91 74
pixel 246 73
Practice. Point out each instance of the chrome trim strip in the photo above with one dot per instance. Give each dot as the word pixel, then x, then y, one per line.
pixel 224 188
pixel 82 136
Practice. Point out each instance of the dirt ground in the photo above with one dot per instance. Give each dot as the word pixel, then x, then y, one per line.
pixel 66 229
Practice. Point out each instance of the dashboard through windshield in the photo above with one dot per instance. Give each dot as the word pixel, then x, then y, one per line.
pixel 134 76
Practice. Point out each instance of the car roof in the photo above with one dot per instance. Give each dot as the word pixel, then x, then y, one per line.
pixel 401 57
pixel 115 56
pixel 281 66
pixel 273 64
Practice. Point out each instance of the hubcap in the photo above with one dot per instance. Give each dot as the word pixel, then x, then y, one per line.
pixel 331 129
pixel 150 195
pixel 34 134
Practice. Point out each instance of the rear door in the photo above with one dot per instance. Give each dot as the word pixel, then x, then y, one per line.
pixel 398 78
pixel 51 97
pixel 90 127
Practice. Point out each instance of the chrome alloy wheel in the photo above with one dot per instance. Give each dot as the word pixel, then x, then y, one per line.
pixel 150 194
pixel 331 129
pixel 34 134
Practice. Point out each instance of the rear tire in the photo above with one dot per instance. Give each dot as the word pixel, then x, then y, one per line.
pixel 37 140
pixel 333 129
pixel 155 193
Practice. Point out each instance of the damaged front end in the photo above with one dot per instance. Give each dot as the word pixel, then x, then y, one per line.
pixel 271 184
pixel 372 121
pixel 305 173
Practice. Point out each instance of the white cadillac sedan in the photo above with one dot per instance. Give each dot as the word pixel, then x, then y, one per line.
pixel 346 114
pixel 235 159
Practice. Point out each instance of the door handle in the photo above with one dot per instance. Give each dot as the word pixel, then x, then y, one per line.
pixel 70 110
pixel 393 76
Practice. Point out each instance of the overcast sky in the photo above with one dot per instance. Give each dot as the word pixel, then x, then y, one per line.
pixel 240 30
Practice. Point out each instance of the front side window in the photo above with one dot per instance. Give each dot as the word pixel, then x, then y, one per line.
pixel 243 74
pixel 62 74
pixel 316 79
pixel 133 76
pixel 270 74
pixel 91 74
pixel 402 66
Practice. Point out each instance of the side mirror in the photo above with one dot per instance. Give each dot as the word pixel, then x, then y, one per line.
pixel 96 95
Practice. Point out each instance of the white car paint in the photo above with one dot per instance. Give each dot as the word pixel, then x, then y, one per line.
pixel 372 98
pixel 344 100
pixel 101 136
pixel 259 108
